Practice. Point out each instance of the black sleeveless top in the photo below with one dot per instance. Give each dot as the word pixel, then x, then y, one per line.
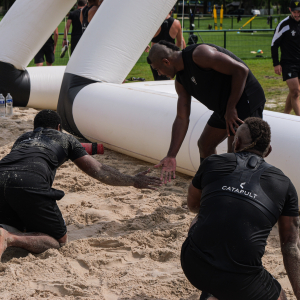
pixel 85 14
pixel 213 88
pixel 165 32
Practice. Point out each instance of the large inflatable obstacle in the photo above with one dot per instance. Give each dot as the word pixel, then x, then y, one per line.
pixel 136 118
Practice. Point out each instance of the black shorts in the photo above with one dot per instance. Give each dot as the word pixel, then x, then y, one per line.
pixel 290 71
pixel 158 77
pixel 227 285
pixel 219 122
pixel 28 203
pixel 48 51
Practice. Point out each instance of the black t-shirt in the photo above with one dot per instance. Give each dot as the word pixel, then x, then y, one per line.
pixel 76 25
pixel 34 155
pixel 213 88
pixel 231 234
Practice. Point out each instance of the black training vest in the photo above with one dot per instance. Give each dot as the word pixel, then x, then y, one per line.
pixel 213 88
pixel 165 32
pixel 85 15
pixel 48 144
pixel 244 184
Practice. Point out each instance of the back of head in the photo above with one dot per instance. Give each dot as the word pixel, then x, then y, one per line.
pixel 260 134
pixel 47 119
pixel 81 2
pixel 93 2
pixel 161 50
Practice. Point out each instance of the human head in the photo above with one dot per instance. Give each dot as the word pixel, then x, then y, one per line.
pixel 47 119
pixel 161 58
pixel 93 2
pixel 253 136
pixel 81 3
pixel 295 10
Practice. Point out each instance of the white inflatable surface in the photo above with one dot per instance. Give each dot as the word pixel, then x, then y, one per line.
pixel 45 83
pixel 27 26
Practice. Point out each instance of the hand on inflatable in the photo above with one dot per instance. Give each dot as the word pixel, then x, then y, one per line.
pixel 232 120
pixel 168 165
pixel 141 181
pixel 278 69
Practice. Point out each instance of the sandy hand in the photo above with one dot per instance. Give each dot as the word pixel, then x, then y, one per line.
pixel 141 181
pixel 168 165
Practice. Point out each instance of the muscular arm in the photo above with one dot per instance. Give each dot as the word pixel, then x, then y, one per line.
pixel 290 248
pixel 208 57
pixel 193 199
pixel 92 12
pixel 111 176
pixel 179 129
pixel 181 123
pixel 67 28
pixel 81 17
pixel 55 38
pixel 180 42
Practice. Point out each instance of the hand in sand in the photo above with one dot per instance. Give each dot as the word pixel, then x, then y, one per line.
pixel 141 181
pixel 168 165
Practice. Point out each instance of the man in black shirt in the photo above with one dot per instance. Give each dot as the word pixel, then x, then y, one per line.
pixel 27 201
pixel 239 198
pixel 48 51
pixel 287 37
pixel 74 20
pixel 219 80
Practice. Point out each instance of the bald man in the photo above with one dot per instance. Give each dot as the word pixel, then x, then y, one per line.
pixel 219 80
pixel 239 198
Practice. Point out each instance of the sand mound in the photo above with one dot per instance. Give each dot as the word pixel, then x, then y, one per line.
pixel 124 243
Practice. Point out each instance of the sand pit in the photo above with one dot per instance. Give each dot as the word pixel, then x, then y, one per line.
pixel 124 243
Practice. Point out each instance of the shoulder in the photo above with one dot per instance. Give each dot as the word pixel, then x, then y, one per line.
pixel 225 157
pixel 203 52
pixel 284 24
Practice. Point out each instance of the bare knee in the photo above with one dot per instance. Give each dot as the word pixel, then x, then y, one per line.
pixel 205 149
pixel 294 93
pixel 62 241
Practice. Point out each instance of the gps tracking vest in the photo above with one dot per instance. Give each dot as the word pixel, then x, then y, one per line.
pixel 244 183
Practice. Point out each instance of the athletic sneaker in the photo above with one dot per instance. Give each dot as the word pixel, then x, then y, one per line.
pixel 63 51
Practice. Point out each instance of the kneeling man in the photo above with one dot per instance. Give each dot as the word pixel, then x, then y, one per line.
pixel 239 198
pixel 29 215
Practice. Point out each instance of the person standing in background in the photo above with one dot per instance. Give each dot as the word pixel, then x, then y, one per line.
pixel 74 20
pixel 48 50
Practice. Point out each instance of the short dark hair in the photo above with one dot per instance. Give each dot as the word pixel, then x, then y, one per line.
pixel 47 118
pixel 81 2
pixel 169 45
pixel 260 133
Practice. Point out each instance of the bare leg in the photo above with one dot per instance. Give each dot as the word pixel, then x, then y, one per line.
pixel 212 298
pixel 288 104
pixel 209 140
pixel 39 64
pixel 48 64
pixel 34 242
pixel 293 85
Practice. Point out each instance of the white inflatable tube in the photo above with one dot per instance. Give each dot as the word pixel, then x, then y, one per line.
pixel 138 122
pixel 116 37
pixel 26 27
pixel 45 83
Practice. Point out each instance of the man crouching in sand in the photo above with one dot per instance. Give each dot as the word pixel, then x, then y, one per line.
pixel 29 215
pixel 239 198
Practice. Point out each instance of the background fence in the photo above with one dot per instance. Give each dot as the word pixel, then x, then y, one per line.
pixel 240 42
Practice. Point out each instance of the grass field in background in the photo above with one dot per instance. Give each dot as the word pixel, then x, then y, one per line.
pixel 240 44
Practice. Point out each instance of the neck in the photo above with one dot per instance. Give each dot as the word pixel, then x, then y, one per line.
pixel 178 61
pixel 252 151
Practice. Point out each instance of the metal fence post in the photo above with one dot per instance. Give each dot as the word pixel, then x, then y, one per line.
pixel 224 39
pixel 271 22
pixel 232 22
